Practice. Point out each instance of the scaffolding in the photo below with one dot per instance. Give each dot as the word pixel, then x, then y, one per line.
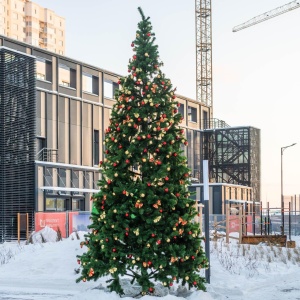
pixel 234 156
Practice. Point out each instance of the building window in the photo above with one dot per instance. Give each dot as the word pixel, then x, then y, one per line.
pixel 75 179
pixel 61 174
pixel 205 120
pixel 55 204
pixel 43 69
pixel 67 76
pixel 96 147
pixel 181 109
pixel 110 88
pixel 87 176
pixel 192 112
pixel 90 84
pixel 48 177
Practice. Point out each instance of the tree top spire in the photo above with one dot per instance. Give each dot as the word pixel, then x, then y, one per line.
pixel 142 14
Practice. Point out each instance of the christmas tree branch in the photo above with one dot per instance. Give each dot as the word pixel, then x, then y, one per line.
pixel 142 13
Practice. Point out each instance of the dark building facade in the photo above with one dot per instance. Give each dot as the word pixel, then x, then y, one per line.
pixel 17 138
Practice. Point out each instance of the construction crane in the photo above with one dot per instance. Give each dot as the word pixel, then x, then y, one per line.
pixel 203 53
pixel 268 15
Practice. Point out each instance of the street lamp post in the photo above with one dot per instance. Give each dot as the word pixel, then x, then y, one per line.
pixel 281 187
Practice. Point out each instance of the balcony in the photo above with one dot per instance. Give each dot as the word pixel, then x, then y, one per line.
pixel 47 154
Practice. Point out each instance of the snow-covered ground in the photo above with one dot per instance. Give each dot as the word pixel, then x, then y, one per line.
pixel 47 271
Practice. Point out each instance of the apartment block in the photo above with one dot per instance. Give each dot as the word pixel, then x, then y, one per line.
pixel 28 22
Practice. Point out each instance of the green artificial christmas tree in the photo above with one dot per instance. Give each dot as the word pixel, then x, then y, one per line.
pixel 142 224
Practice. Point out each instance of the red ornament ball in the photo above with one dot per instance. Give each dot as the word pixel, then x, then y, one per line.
pixel 114 250
pixel 148 34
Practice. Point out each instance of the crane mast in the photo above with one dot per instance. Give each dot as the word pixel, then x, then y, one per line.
pixel 203 52
pixel 268 15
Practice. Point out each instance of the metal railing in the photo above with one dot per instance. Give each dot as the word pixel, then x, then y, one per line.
pixel 47 154
pixel 214 123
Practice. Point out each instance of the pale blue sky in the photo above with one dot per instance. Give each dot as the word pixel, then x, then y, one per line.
pixel 255 71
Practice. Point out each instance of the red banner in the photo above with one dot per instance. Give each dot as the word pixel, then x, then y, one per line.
pixel 234 224
pixel 52 220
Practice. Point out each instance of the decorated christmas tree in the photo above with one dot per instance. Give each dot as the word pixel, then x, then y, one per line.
pixel 142 224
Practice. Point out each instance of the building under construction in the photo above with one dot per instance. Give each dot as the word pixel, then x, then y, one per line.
pixel 233 154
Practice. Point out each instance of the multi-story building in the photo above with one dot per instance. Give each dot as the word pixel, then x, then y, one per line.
pixel 53 114
pixel 28 22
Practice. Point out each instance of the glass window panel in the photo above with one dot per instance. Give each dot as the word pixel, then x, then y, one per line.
pixel 60 204
pixel 87 83
pixel 108 89
pixel 50 204
pixel 64 75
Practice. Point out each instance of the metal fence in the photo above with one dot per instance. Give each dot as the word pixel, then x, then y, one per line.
pixel 71 221
pixel 264 224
